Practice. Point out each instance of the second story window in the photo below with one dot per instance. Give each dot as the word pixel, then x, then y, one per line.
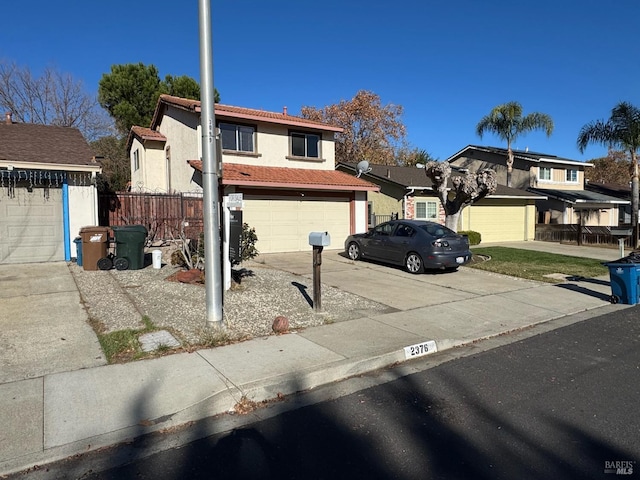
pixel 237 137
pixel 572 176
pixel 305 145
pixel 545 174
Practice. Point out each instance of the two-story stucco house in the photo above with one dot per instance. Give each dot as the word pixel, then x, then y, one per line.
pixel 47 191
pixel 283 165
pixel 561 180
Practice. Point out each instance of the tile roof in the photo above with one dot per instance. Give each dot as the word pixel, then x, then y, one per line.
pixel 282 177
pixel 143 133
pixel 239 113
pixel 148 134
pixel 46 144
pixel 414 177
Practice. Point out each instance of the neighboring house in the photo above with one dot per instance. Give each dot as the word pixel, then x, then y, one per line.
pixel 47 191
pixel 507 215
pixel 561 180
pixel 282 164
pixel 621 191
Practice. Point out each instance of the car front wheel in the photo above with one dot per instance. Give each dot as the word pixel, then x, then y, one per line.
pixel 414 264
pixel 354 251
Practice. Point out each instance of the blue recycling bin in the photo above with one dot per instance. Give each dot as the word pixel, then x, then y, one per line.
pixel 624 282
pixel 78 242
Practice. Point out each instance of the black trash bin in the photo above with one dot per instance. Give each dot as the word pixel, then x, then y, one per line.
pixel 129 246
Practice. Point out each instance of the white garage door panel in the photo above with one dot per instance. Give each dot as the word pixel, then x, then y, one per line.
pixel 31 226
pixel 283 225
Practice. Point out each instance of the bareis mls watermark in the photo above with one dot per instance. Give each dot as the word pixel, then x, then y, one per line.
pixel 619 467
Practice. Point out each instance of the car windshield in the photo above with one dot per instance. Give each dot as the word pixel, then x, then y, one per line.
pixel 436 230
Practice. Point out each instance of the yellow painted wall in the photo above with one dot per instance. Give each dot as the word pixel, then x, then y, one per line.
pixel 384 204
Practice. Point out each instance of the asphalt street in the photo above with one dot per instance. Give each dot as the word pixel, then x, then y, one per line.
pixel 561 404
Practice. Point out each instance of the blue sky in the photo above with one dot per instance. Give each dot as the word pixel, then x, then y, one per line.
pixel 446 63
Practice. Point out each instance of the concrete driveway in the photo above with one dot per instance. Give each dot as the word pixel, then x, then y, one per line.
pixel 43 325
pixel 393 286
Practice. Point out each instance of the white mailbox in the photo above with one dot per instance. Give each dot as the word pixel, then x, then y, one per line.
pixel 319 239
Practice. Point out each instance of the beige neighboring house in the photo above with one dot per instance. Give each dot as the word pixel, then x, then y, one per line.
pixel 47 191
pixel 407 192
pixel 560 180
pixel 283 165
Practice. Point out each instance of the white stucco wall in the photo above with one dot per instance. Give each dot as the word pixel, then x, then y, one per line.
pixel 152 175
pixel 83 211
pixel 361 219
pixel 272 149
pixel 181 130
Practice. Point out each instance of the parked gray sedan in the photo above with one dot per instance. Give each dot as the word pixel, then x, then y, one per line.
pixel 415 244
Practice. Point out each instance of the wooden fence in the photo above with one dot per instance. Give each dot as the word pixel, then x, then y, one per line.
pixel 579 234
pixel 164 216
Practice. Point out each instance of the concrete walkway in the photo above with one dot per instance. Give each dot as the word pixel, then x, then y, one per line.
pixel 75 403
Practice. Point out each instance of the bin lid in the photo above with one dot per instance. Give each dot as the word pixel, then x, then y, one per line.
pixel 130 228
pixel 94 229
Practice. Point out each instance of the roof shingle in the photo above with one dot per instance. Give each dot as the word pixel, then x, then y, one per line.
pixel 28 142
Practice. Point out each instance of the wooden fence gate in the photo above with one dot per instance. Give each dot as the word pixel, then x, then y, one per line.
pixel 164 215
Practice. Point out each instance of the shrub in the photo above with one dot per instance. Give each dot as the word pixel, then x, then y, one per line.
pixel 474 237
pixel 248 241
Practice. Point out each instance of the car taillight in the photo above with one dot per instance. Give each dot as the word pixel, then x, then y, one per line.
pixel 440 243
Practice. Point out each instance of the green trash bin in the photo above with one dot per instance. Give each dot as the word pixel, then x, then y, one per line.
pixel 129 242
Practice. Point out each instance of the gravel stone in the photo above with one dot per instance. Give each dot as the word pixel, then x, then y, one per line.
pixel 118 299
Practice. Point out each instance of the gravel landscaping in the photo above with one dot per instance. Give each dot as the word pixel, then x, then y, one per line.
pixel 118 300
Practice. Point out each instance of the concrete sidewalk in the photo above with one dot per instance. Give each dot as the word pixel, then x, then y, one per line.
pixel 92 405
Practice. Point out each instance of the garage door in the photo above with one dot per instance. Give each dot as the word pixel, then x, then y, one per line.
pixel 283 224
pixel 504 223
pixel 31 226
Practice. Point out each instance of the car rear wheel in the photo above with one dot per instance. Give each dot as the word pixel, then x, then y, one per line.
pixel 413 263
pixel 354 251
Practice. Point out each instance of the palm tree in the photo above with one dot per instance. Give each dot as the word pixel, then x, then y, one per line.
pixel 622 130
pixel 507 122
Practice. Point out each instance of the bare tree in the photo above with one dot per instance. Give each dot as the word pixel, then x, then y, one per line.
pixel 466 189
pixel 53 98
pixel 372 131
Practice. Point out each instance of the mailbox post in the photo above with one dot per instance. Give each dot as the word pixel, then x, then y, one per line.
pixel 621 234
pixel 318 240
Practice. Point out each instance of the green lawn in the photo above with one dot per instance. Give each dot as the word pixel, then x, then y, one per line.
pixel 534 265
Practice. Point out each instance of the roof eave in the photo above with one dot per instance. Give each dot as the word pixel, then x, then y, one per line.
pixel 300 186
pixel 51 166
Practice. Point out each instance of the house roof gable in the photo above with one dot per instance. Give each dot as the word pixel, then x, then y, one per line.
pixel 526 155
pixel 238 113
pixel 282 177
pixel 413 177
pixel 44 144
pixel 144 134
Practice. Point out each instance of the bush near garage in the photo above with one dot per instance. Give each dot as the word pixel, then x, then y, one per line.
pixel 474 237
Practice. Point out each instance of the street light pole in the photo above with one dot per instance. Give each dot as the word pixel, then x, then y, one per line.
pixel 210 170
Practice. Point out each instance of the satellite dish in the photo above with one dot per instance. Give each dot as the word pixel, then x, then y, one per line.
pixel 362 167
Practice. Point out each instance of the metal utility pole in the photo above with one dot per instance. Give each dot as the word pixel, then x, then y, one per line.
pixel 212 259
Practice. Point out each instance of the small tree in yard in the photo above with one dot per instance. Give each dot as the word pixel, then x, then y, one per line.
pixel 248 241
pixel 465 190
